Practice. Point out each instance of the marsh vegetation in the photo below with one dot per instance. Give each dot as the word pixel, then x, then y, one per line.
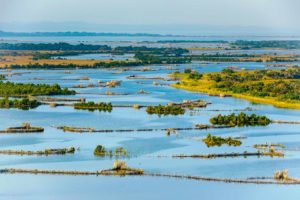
pixel 165 110
pixel 241 119
pixel 211 141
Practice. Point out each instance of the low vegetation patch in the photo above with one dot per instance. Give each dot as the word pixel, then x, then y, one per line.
pixel 165 110
pixel 240 120
pixel 63 151
pixel 102 151
pixel 75 129
pixel 277 87
pixel 25 89
pixel 92 106
pixel 23 104
pixel 25 128
pixel 121 169
pixel 212 141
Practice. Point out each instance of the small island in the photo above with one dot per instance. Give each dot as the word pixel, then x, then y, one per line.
pixel 276 87
pixel 23 104
pixel 25 128
pixel 92 106
pixel 240 120
pixel 103 152
pixel 165 110
pixel 9 89
pixel 212 141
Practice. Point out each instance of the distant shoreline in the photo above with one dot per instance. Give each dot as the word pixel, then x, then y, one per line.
pixel 115 34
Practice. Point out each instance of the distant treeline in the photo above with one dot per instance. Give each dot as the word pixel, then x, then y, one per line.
pixel 154 59
pixel 73 34
pixel 61 46
pixel 191 41
pixel 151 50
pixel 285 44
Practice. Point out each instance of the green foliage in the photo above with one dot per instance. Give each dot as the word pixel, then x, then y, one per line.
pixel 100 64
pixel 147 58
pixel 22 89
pixel 150 50
pixel 282 84
pixel 240 120
pixel 2 77
pixel 92 106
pixel 195 75
pixel 286 44
pixel 61 46
pixel 165 110
pixel 187 70
pixel 212 141
pixel 24 104
pixel 102 151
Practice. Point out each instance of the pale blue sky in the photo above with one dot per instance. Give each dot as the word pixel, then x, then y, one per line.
pixel 245 13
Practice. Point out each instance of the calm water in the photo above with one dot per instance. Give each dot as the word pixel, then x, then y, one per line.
pixel 144 147
pixel 99 56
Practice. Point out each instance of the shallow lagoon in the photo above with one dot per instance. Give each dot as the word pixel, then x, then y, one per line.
pixel 145 147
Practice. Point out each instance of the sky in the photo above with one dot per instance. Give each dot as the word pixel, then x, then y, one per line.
pixel 75 15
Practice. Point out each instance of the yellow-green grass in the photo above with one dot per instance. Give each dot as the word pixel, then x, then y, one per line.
pixel 205 85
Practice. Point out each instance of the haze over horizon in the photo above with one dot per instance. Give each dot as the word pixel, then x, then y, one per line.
pixel 190 17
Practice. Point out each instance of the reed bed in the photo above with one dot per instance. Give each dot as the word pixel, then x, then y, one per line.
pixel 232 155
pixel 91 130
pixel 25 128
pixel 129 172
pixel 46 152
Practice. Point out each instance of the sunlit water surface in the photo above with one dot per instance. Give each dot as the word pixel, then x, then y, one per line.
pixel 150 151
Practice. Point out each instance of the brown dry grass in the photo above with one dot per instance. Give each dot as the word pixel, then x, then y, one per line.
pixel 6 61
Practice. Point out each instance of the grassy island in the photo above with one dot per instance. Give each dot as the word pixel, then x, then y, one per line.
pixel 25 128
pixel 92 106
pixel 121 169
pixel 23 104
pixel 103 152
pixel 165 110
pixel 212 141
pixel 280 88
pixel 25 89
pixel 46 152
pixel 240 120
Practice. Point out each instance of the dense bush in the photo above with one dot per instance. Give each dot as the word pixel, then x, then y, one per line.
pixel 240 120
pixel 22 89
pixel 92 106
pixel 2 77
pixel 195 75
pixel 282 84
pixel 211 141
pixel 24 104
pixel 165 110
pixel 147 58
